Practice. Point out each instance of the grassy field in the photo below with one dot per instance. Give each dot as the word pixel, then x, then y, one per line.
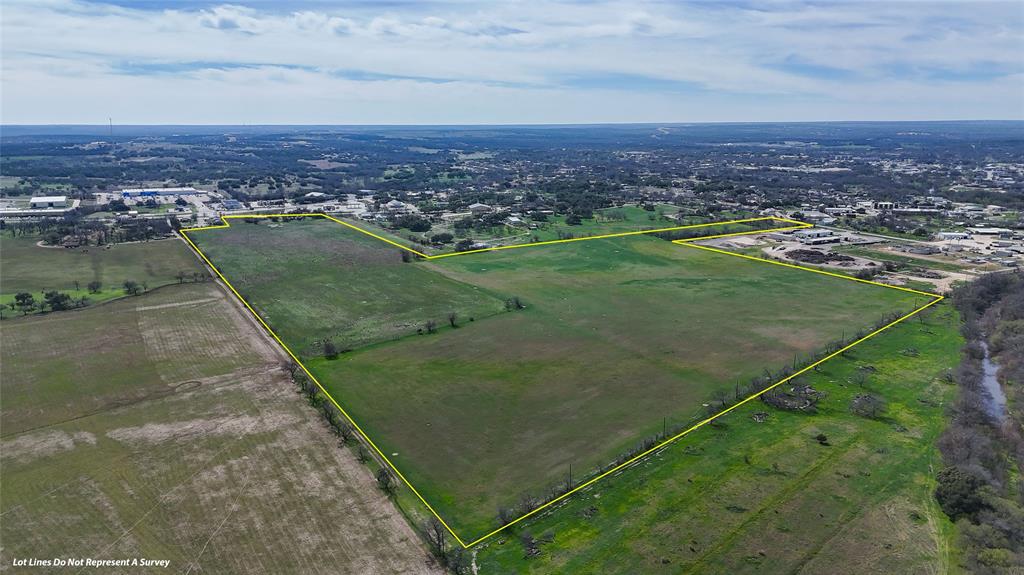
pixel 163 426
pixel 28 267
pixel 314 279
pixel 747 497
pixel 618 339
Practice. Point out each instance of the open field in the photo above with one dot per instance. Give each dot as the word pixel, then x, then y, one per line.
pixel 163 426
pixel 28 267
pixel 313 282
pixel 747 497
pixel 619 339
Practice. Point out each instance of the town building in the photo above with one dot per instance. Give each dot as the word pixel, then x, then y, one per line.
pixel 479 209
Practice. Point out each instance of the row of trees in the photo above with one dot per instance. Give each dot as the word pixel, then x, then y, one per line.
pixel 53 300
pixel 983 449
pixel 449 555
pixel 26 303
pixel 332 351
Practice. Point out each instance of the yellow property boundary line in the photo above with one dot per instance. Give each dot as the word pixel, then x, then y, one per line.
pixel 688 242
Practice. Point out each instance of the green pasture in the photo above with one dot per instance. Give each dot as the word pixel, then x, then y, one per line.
pixel 26 267
pixel 748 497
pixel 619 338
pixel 313 279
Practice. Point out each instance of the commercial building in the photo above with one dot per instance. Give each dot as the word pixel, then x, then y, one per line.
pixel 48 202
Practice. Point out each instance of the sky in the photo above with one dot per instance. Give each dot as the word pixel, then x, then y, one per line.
pixel 508 62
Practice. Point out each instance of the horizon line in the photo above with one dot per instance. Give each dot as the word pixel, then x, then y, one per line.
pixel 521 124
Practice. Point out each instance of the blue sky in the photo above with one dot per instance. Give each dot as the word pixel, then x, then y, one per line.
pixel 524 61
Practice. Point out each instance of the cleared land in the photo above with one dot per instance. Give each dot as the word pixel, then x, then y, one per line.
pixel 747 497
pixel 619 338
pixel 162 426
pixel 28 267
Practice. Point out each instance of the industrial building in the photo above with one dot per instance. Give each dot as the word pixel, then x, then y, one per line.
pixel 153 192
pixel 48 202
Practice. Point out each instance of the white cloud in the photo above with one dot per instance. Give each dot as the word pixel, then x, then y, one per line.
pixel 536 61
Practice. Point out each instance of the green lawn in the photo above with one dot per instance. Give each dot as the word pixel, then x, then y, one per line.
pixel 747 497
pixel 619 338
pixel 30 268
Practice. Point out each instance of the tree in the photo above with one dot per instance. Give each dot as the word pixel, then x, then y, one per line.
pixel 721 396
pixel 385 480
pixel 345 431
pixel 505 515
pixel 453 318
pixel 437 538
pixel 867 405
pixel 413 223
pixel 860 376
pixel 330 350
pixel 94 286
pixel 180 276
pixel 958 493
pixel 132 287
pixel 442 238
pixel 464 245
pixel 57 301
pixel 25 302
pixel 459 562
pixel 406 256
pixel 513 303
pixel 431 326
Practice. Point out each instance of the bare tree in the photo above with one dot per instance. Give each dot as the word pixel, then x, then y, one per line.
pixel 437 538
pixel 453 319
pixel 867 405
pixel 385 480
pixel 345 431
